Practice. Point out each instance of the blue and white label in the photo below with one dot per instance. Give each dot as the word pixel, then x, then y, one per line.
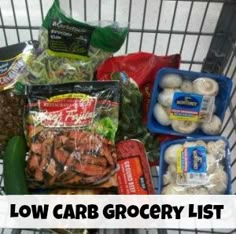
pixel 192 166
pixel 192 107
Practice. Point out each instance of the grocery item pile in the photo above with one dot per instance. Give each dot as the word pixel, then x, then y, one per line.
pixel 76 120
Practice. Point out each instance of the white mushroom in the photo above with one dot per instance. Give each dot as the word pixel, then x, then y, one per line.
pixel 201 143
pixel 211 147
pixel 167 178
pixel 171 81
pixel 185 127
pixel 211 164
pixel 172 170
pixel 190 144
pixel 198 190
pixel 217 183
pixel 220 143
pixel 171 152
pixel 214 108
pixel 213 127
pixel 165 97
pixel 161 115
pixel 217 149
pixel 187 86
pixel 173 189
pixel 205 86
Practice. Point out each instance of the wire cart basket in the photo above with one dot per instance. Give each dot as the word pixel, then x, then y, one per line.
pixel 202 31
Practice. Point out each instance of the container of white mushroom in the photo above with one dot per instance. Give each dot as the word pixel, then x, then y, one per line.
pixel 188 103
pixel 195 166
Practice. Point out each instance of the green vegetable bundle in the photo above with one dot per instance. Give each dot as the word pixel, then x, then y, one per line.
pixel 130 121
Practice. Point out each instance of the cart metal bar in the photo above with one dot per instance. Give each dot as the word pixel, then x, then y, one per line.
pixel 143 22
pixel 15 21
pixel 214 1
pixel 198 37
pixel 3 28
pixel 129 18
pixel 171 28
pixel 99 10
pixel 134 30
pixel 28 18
pixel 85 10
pixel 217 59
pixel 228 119
pixel 186 27
pixel 232 147
pixel 230 62
pixel 41 9
pixel 232 109
pixel 229 36
pixel 157 27
pixel 201 231
pixel 70 6
pixel 162 231
pixel 234 161
pixel 232 181
pixel 230 133
pixel 115 6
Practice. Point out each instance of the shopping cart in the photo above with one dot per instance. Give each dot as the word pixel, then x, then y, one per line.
pixel 202 31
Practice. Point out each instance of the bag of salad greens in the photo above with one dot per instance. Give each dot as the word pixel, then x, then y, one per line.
pixel 69 50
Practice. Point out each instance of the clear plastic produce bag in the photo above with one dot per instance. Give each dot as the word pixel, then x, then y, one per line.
pixel 69 50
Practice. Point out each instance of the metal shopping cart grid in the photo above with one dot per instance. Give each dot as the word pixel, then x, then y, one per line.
pixel 202 31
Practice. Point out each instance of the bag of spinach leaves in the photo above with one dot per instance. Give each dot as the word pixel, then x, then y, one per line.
pixel 70 50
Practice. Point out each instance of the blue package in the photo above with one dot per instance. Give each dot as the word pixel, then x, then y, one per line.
pixel 201 169
pixel 221 101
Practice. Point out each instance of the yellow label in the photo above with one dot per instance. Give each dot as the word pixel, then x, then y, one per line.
pixel 179 168
pixel 184 118
pixel 69 95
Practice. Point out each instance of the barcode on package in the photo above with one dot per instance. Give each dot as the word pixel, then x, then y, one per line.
pixel 206 104
pixel 207 108
pixel 197 178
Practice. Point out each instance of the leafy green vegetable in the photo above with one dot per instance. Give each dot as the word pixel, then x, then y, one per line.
pixel 69 50
pixel 130 120
pixel 106 127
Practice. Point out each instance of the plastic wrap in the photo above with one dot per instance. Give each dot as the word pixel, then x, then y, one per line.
pixel 11 105
pixel 188 103
pixel 195 166
pixel 69 50
pixel 142 68
pixel 134 175
pixel 70 131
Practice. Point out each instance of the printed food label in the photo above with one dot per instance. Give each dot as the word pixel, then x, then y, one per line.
pixel 133 176
pixel 68 110
pixel 192 107
pixel 9 70
pixel 130 177
pixel 69 38
pixel 192 166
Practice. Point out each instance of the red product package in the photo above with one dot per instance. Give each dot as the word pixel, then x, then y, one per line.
pixel 134 176
pixel 141 67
